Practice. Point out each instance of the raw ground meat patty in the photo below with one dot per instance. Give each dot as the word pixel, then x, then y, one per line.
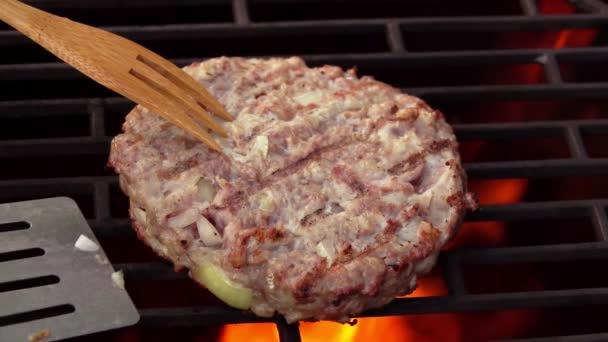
pixel 333 194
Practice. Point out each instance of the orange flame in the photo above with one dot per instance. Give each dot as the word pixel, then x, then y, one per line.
pixel 388 329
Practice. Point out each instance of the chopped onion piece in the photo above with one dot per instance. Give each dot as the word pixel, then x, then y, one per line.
pixel 218 283
pixel 326 251
pixel 260 146
pixel 206 190
pixel 309 97
pixel 118 278
pixel 140 215
pixel 184 219
pixel 207 232
pixel 266 201
pixel 85 244
pixel 395 198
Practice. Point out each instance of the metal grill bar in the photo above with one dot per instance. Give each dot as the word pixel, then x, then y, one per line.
pixel 529 7
pixel 596 6
pixel 199 316
pixel 57 71
pixel 239 10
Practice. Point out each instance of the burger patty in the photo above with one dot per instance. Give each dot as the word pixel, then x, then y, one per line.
pixel 332 195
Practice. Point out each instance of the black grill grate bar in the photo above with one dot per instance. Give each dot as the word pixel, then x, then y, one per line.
pixel 288 332
pixel 96 4
pixel 545 253
pixel 49 71
pixel 185 31
pixel 535 210
pixel 600 222
pixel 210 315
pixel 486 24
pixel 56 71
pixel 196 316
pixel 97 117
pixel 453 273
pixel 240 12
pixel 149 271
pixel 575 142
pixel 512 92
pixel 394 37
pixel 537 168
pixel 101 200
pixel 493 302
pixel 112 228
pixel 600 337
pixel 551 68
pixel 78 146
pixel 83 182
pixel 596 6
pixel 529 7
pixel 524 129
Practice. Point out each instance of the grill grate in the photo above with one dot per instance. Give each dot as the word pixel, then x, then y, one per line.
pixel 385 43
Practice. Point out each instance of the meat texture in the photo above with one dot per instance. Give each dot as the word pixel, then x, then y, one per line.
pixel 333 194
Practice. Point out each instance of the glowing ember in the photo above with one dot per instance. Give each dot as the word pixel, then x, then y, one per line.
pixel 253 332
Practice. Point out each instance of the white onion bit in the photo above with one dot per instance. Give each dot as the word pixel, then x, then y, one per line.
pixel 85 244
pixel 184 219
pixel 207 232
pixel 118 278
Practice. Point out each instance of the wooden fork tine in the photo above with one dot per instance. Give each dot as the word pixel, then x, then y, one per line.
pixel 174 113
pixel 163 85
pixel 183 80
pixel 186 122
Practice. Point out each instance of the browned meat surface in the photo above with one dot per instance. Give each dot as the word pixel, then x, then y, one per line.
pixel 333 194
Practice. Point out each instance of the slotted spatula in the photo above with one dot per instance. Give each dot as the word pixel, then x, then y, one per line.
pixel 49 289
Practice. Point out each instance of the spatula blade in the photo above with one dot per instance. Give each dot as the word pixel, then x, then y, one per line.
pixel 47 286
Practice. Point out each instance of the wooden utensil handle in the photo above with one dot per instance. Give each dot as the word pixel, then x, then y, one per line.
pixel 24 18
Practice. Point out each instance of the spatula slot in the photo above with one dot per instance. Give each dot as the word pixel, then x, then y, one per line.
pixel 37 314
pixel 28 283
pixel 22 254
pixel 10 226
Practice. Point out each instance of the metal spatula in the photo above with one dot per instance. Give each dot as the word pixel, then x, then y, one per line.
pixel 49 289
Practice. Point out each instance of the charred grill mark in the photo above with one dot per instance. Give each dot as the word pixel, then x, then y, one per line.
pixel 356 185
pixel 315 155
pixel 456 200
pixel 252 240
pixel 391 227
pixel 180 167
pixel 303 288
pixel 312 218
pixel 439 145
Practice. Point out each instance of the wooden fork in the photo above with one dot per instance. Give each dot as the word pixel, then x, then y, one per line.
pixel 122 66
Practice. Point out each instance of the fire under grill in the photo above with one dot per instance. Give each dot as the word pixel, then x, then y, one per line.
pixel 525 84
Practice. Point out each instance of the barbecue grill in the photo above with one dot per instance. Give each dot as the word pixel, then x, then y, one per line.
pixel 525 84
